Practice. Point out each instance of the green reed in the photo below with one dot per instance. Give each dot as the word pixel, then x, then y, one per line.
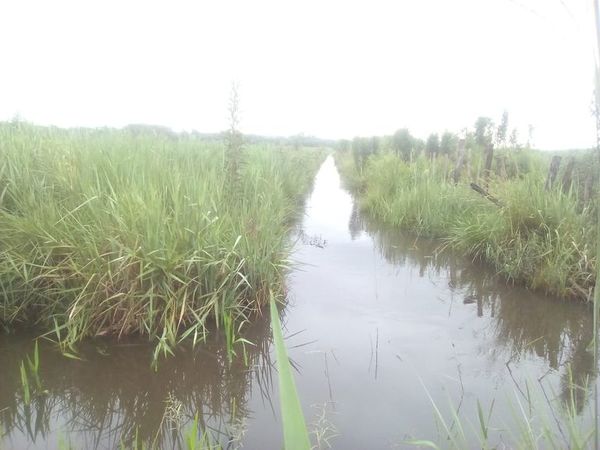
pixel 106 232
pixel 295 432
pixel 543 239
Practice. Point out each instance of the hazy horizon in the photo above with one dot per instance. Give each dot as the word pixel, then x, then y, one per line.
pixel 333 71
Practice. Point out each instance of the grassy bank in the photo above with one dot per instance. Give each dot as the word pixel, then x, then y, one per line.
pixel 542 238
pixel 106 232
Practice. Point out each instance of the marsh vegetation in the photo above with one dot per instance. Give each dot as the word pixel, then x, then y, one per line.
pixel 505 206
pixel 134 232
pixel 126 245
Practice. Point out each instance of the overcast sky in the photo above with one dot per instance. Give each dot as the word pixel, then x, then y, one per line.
pixel 333 69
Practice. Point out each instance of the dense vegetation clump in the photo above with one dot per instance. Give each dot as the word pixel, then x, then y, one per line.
pixel 108 232
pixel 531 226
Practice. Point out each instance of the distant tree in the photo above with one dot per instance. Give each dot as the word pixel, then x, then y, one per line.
pixel 297 141
pixel 470 140
pixel 502 131
pixel 402 143
pixel 484 131
pixel 374 145
pixel 418 146
pixel 432 147
pixel 154 130
pixel 514 139
pixel 361 149
pixel 448 143
pixel 344 145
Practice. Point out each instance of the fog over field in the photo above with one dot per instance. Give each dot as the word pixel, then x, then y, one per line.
pixel 332 69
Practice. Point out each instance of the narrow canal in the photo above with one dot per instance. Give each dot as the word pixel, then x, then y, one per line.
pixel 377 322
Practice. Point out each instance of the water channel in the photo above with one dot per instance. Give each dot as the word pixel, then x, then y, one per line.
pixel 377 322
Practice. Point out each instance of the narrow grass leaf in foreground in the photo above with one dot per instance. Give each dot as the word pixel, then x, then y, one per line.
pixel 295 434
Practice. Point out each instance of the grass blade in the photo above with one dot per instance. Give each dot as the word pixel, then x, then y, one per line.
pixel 295 434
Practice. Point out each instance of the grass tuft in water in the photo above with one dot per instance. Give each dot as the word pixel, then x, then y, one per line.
pixel 543 239
pixel 108 232
pixel 537 420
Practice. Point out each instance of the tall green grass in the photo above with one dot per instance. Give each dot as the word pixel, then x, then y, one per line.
pixel 106 232
pixel 543 239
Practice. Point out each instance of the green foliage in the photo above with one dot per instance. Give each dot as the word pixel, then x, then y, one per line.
pixel 107 232
pixel 484 131
pixel 415 196
pixel 545 240
pixel 432 147
pixel 403 143
pixel 197 439
pixel 448 143
pixel 25 384
pixel 27 370
pixel 295 433
pixel 362 148
pixel 538 238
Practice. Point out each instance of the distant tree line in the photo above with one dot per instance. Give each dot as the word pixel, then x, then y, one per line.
pixel 482 135
pixel 296 141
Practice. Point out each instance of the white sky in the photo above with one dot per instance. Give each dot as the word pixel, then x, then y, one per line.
pixel 332 69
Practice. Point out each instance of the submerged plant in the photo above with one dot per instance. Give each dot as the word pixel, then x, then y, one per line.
pixel 29 369
pixel 323 429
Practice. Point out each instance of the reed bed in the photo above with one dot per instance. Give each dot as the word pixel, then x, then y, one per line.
pixel 121 232
pixel 545 239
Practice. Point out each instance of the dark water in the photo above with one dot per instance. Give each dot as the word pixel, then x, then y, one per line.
pixel 376 322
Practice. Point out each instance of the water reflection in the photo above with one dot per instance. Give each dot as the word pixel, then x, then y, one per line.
pixel 113 397
pixel 525 324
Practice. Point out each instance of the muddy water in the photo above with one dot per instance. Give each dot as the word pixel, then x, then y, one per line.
pixel 376 321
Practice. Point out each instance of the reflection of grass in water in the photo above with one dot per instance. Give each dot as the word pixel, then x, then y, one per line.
pixel 116 398
pixel 114 421
pixel 525 323
pixel 557 331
